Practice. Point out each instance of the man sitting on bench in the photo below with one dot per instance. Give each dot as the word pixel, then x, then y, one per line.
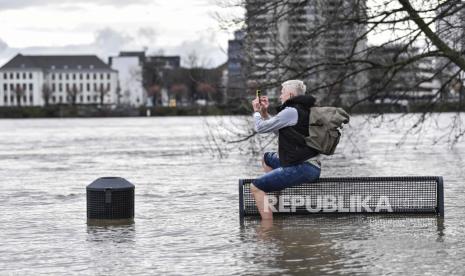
pixel 295 163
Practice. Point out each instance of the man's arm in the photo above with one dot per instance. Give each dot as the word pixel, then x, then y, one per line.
pixel 285 118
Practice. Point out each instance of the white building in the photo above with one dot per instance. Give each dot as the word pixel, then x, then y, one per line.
pixel 38 80
pixel 129 69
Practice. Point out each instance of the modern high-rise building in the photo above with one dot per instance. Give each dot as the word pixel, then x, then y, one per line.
pixel 236 88
pixel 415 82
pixel 451 30
pixel 29 80
pixel 451 27
pixel 308 40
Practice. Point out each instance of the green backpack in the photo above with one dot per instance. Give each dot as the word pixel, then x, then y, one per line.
pixel 324 125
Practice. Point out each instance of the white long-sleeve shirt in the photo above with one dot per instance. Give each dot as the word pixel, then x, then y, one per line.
pixel 287 117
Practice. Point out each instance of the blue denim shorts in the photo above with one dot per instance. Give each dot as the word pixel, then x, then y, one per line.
pixel 283 177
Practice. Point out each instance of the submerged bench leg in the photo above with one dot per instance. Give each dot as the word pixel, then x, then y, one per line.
pixel 440 197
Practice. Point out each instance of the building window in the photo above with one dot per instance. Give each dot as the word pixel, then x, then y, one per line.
pixel 80 86
pixel 67 87
pixel 24 99
pixel 54 99
pixel 95 98
pixel 80 76
pixel 5 99
pixel 18 76
pixel 53 87
pixel 12 87
pixel 95 76
pixel 59 76
pixel 88 87
pixel 11 76
pixel 12 99
pixel 60 99
pixel 88 98
pixel 5 76
pixel 67 76
pixel 60 87
pixel 74 76
pixel 31 98
pixel 108 76
pixel 53 76
pixel 95 87
pixel 108 86
pixel 5 87
pixel 24 87
pixel 81 99
pixel 87 76
pixel 31 87
pixel 101 76
pixel 24 75
pixel 101 87
pixel 30 76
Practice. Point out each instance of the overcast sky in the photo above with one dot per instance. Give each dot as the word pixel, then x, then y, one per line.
pixel 104 27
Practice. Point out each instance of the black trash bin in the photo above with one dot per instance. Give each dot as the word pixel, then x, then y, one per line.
pixel 110 200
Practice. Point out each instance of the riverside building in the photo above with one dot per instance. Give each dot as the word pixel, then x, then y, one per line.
pixel 36 80
pixel 130 74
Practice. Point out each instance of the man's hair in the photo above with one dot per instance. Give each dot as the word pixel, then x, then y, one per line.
pixel 297 86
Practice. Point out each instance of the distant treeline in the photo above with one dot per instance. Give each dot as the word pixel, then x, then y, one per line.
pixel 67 111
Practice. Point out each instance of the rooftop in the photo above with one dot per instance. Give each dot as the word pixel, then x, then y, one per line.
pixel 56 62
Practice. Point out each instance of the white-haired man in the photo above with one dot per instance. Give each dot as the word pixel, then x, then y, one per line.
pixel 295 163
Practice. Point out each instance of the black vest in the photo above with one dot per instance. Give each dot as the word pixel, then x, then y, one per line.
pixel 292 148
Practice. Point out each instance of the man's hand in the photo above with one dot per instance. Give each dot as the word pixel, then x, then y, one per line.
pixel 261 106
pixel 264 103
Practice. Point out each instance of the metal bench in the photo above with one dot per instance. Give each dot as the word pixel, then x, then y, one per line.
pixel 407 194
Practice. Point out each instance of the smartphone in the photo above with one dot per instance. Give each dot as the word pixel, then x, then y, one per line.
pixel 259 94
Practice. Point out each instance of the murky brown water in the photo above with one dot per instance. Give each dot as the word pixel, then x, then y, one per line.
pixel 186 204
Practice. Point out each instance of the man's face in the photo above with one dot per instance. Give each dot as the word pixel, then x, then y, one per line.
pixel 286 94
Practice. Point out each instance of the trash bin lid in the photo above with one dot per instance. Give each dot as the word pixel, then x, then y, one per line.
pixel 110 182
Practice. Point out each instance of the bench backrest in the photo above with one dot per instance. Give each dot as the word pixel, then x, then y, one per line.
pixel 408 194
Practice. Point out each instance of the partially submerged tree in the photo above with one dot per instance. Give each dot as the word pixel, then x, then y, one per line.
pixel 20 93
pixel 102 92
pixel 206 91
pixel 46 93
pixel 72 94
pixel 154 94
pixel 178 91
pixel 201 83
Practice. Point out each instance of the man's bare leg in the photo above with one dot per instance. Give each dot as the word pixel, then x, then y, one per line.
pixel 260 198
